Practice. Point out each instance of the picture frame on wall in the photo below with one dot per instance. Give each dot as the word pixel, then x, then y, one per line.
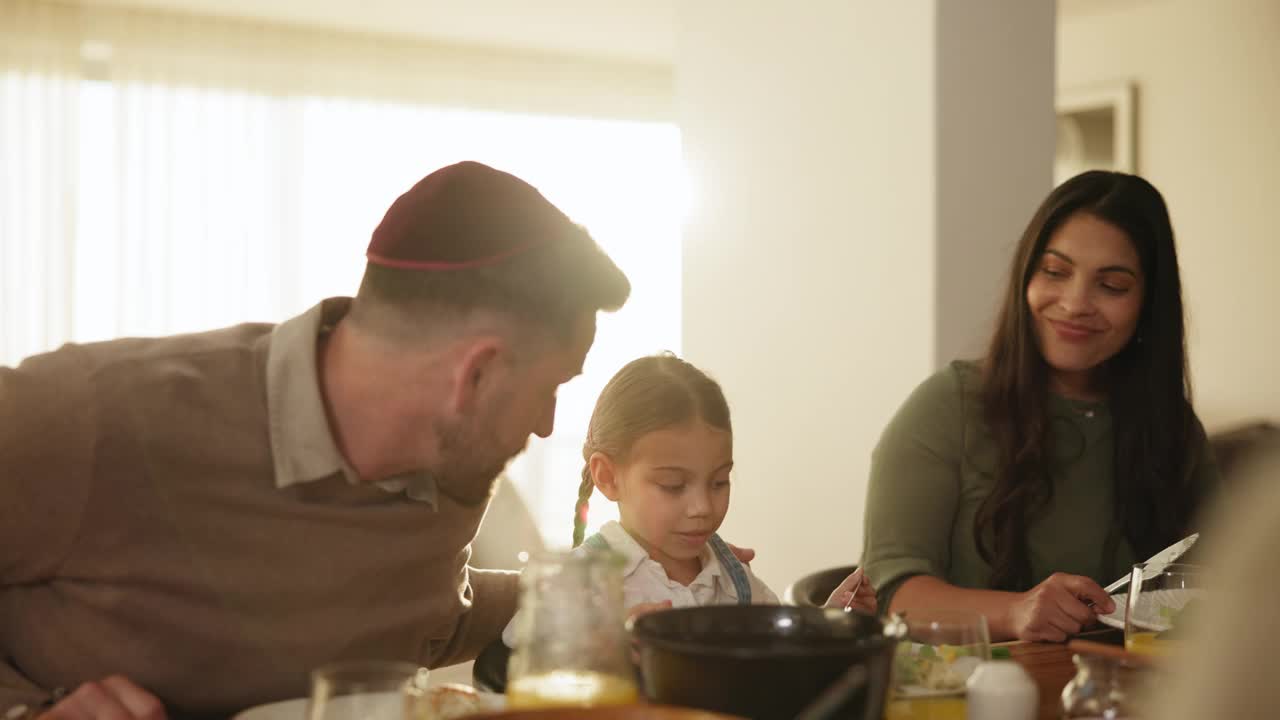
pixel 1095 130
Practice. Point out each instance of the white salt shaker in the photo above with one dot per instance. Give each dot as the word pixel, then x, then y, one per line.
pixel 1001 690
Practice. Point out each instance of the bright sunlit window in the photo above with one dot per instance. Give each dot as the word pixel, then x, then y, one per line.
pixel 195 208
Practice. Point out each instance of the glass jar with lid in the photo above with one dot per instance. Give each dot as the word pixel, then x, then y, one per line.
pixel 1101 689
pixel 571 643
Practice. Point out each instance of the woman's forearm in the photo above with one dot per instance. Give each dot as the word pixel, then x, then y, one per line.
pixel 926 592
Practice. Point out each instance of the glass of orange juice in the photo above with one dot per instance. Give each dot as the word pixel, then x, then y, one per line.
pixel 571 644
pixel 1161 600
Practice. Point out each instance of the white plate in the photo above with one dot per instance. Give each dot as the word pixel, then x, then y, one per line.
pixel 284 710
pixel 919 691
pixel 1150 602
pixel 374 706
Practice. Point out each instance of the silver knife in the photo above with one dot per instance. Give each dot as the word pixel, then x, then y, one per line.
pixel 1159 561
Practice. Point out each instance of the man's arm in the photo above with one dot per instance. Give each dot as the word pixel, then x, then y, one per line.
pixel 47 427
pixel 493 595
pixel 46 440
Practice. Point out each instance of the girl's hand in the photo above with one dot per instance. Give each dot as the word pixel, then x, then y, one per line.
pixel 865 601
pixel 639 609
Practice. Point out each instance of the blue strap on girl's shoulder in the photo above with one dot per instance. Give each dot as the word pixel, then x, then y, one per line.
pixel 732 567
pixel 595 542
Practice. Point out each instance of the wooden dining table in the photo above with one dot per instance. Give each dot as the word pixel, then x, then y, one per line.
pixel 1052 667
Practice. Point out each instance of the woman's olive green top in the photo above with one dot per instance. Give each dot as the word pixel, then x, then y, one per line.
pixel 935 464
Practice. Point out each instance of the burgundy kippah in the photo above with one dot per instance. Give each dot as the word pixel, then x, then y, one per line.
pixel 465 215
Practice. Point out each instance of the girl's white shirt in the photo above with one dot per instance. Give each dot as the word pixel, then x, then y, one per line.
pixel 645 580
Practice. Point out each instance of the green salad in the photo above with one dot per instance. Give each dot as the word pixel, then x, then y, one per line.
pixel 933 667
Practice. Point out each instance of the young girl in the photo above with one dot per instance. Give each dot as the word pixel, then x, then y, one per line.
pixel 660 444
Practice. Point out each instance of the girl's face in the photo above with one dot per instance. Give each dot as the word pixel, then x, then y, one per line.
pixel 673 490
pixel 1085 297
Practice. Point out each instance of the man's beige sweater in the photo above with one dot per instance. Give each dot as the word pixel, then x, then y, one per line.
pixel 144 530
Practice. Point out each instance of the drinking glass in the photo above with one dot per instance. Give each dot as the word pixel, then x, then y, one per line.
pixel 931 665
pixel 366 690
pixel 1161 600
pixel 572 647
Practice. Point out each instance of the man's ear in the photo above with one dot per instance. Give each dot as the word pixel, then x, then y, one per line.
pixel 604 474
pixel 476 371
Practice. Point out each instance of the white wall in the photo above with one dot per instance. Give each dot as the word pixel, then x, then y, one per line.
pixel 1208 136
pixel 816 148
pixel 787 292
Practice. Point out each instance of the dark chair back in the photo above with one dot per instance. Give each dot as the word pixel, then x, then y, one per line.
pixel 813 590
pixel 489 672
pixel 1236 448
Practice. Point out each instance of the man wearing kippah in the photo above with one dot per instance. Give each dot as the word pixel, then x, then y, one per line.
pixel 189 524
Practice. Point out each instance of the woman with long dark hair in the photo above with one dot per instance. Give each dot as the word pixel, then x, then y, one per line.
pixel 1014 485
